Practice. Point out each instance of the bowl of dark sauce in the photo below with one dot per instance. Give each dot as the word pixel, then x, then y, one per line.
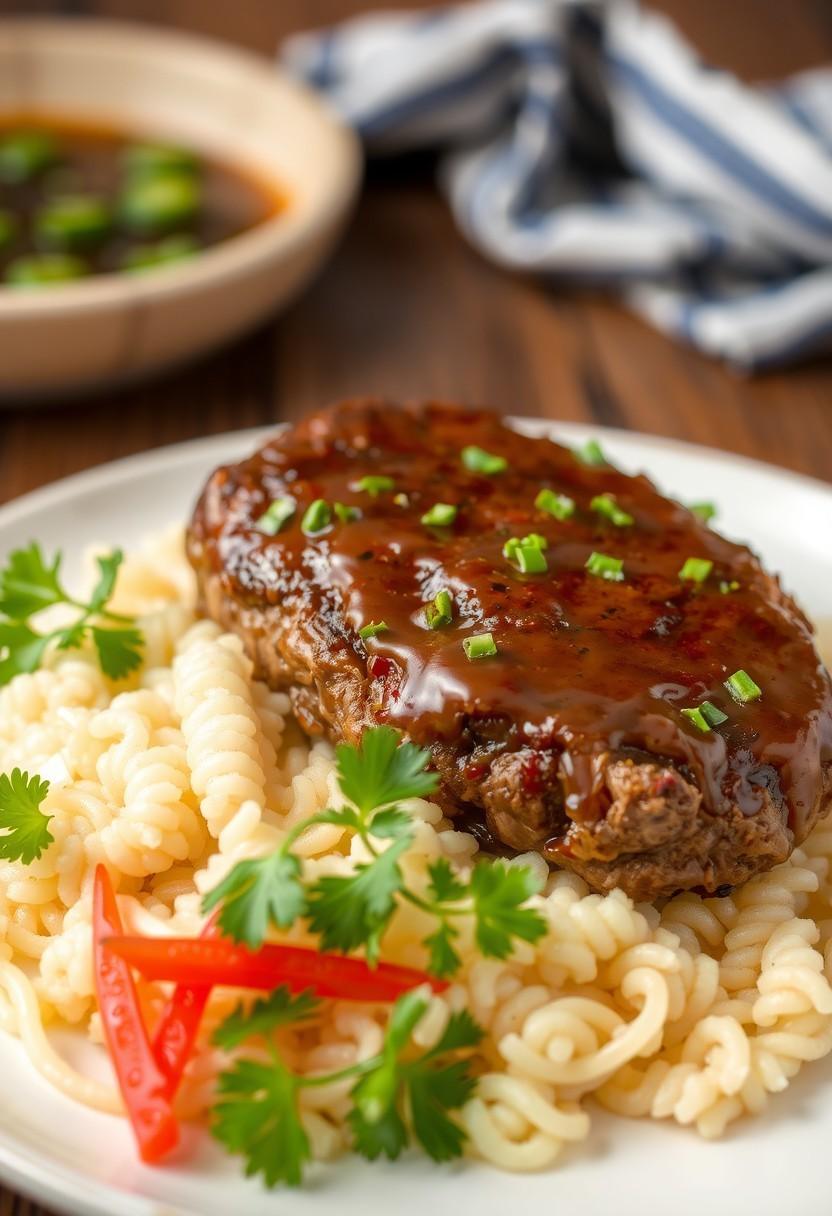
pixel 159 194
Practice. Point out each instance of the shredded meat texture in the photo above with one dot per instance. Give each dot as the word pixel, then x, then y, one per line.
pixel 570 740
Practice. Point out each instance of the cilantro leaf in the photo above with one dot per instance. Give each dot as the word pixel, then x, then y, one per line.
pixel 108 565
pixel 444 959
pixel 381 770
pixel 431 1092
pixel 119 650
pixel 22 650
pixel 444 886
pixel 257 893
pixel 278 1009
pixel 28 584
pixel 371 1138
pixel 390 824
pixel 461 1031
pixel 257 1116
pixel 498 892
pixel 354 910
pixel 26 829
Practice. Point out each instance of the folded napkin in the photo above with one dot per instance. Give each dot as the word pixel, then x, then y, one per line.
pixel 587 141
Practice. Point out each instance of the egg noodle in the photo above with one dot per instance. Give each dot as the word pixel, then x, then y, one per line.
pixel 696 1011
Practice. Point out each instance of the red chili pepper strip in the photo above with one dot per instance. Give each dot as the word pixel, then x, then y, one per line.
pixel 142 1085
pixel 198 962
pixel 179 1024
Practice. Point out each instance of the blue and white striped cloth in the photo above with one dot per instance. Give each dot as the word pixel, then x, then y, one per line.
pixel 587 141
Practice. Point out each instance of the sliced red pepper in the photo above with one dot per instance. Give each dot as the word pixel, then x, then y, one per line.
pixel 143 1085
pixel 198 962
pixel 178 1026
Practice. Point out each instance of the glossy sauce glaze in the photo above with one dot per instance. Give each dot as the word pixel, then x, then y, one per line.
pixel 584 665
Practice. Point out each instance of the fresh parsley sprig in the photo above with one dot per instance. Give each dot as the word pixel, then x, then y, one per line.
pixel 395 1092
pixel 24 826
pixel 352 912
pixel 29 583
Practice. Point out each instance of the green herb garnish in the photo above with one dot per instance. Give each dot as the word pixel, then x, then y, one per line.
pixel 477 460
pixel 275 516
pixel 601 565
pixel 705 511
pixel 372 630
pixel 527 553
pixel 258 1113
pixel 705 716
pixel 696 570
pixel 316 518
pixel 28 584
pixel 440 515
pixel 591 453
pixel 351 912
pixel 560 506
pixel 742 688
pixel 373 485
pixel 24 827
pixel 606 505
pixel 441 611
pixel 346 514
pixel 479 646
pixel 727 588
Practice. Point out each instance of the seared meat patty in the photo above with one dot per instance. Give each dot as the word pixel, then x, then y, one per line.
pixel 571 738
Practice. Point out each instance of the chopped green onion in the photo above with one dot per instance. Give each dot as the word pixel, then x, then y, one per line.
pixel 316 517
pixel 527 554
pixel 25 154
pixel 591 453
pixel 703 510
pixel 606 505
pixel 705 716
pixel 696 570
pixel 742 688
pixel 727 588
pixel 373 485
pixel 401 500
pixel 72 221
pixel 477 460
pixel 604 566
pixel 40 269
pixel 441 515
pixel 514 543
pixel 441 611
pixel 275 516
pixel 149 159
pixel 558 505
pixel 479 646
pixel 170 249
pixel 347 515
pixel 371 630
pixel 160 202
pixel 8 227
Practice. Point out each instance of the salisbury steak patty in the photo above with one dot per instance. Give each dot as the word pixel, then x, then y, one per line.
pixel 571 738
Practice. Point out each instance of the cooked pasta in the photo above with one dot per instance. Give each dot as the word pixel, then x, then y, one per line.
pixel 696 1011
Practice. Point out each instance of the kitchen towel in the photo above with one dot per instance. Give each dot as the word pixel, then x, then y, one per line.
pixel 587 141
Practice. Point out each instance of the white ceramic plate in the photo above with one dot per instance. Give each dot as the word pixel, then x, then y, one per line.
pixel 84 1163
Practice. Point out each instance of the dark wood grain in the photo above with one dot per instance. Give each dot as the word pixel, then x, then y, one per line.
pixel 406 309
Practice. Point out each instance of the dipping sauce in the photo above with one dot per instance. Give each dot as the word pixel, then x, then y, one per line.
pixel 78 200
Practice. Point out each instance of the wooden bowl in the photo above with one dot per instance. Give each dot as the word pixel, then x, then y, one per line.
pixel 224 102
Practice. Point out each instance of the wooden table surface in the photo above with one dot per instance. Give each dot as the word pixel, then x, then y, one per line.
pixel 407 310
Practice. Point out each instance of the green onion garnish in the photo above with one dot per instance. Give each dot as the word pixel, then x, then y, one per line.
pixel 705 716
pixel 371 630
pixel 317 517
pixel 727 588
pixel 441 515
pixel 275 516
pixel 591 453
pixel 696 570
pixel 606 505
pixel 558 505
pixel 604 566
pixel 480 646
pixel 373 485
pixel 703 510
pixel 347 515
pixel 441 611
pixel 476 460
pixel 527 553
pixel 742 688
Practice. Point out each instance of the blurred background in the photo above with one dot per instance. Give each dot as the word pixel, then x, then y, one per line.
pixel 407 309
